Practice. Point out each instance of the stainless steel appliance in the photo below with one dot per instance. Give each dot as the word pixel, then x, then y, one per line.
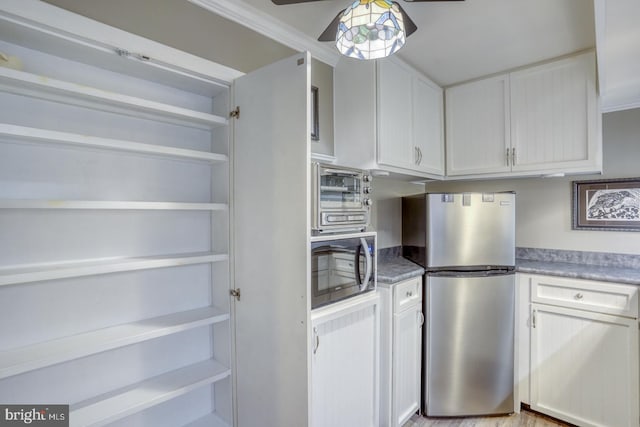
pixel 342 266
pixel 466 242
pixel 340 199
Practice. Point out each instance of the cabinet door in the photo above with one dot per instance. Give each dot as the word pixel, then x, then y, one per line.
pixel 395 143
pixel 407 351
pixel 554 116
pixel 477 123
pixel 584 366
pixel 428 136
pixel 344 370
pixel 272 150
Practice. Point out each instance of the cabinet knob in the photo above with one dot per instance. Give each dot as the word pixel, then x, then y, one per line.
pixel 579 296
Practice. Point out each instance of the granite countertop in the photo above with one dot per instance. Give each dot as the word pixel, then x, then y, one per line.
pixel 396 269
pixel 614 268
pixel 602 273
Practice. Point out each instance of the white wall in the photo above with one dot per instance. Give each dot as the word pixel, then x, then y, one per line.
pixel 544 204
pixel 386 212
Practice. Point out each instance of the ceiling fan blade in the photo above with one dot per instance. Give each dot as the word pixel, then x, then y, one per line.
pixel 286 2
pixel 410 27
pixel 329 34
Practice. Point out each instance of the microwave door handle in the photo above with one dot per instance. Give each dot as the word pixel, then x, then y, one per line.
pixel 368 262
pixel 357 266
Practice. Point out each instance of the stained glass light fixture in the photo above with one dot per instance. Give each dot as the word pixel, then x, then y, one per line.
pixel 370 29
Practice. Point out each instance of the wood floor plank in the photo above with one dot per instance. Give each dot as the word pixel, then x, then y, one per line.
pixel 523 419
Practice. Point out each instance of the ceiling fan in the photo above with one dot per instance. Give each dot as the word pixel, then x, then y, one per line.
pixel 390 23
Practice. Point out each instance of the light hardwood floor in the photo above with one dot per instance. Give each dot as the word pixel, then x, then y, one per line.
pixel 523 419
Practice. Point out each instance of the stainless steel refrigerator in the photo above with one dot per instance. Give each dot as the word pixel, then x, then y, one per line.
pixel 466 242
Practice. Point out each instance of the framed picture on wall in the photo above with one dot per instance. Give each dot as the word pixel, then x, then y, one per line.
pixel 315 122
pixel 607 204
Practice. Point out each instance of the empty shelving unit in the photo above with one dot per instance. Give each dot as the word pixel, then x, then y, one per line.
pixel 114 224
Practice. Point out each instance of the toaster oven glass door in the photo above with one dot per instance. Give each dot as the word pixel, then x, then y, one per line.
pixel 340 190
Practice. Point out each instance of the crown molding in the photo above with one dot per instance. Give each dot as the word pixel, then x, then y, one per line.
pixel 267 25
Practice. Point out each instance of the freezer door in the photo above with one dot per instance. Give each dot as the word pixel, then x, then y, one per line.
pixel 469 338
pixel 471 230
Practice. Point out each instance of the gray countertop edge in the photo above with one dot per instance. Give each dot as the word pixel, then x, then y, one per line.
pixel 628 276
pixel 398 269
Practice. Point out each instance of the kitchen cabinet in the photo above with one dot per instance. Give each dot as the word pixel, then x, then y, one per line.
pixel 401 351
pixel 114 218
pixel 584 351
pixel 477 122
pixel 345 363
pixel 536 121
pixel 388 117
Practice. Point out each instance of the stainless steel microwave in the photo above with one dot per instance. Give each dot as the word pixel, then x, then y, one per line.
pixel 340 199
pixel 342 267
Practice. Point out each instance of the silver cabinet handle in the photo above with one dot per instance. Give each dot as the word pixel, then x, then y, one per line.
pixel 507 156
pixel 419 156
pixel 316 343
pixel 579 296
pixel 533 319
pixel 420 318
pixel 416 157
pixel 513 156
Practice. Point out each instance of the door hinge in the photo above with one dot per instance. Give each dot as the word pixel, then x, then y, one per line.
pixel 235 114
pixel 235 293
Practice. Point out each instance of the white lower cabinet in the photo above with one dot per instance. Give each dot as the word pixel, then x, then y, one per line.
pixel 584 356
pixel 345 363
pixel 401 351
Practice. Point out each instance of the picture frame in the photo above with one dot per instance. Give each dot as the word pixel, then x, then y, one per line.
pixel 606 204
pixel 315 120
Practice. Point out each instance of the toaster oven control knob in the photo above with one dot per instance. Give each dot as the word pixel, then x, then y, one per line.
pixel 366 190
pixel 366 178
pixel 367 202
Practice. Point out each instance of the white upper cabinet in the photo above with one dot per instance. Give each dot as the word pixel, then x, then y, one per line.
pixel 428 126
pixel 554 116
pixel 388 117
pixel 478 139
pixel 536 121
pixel 395 131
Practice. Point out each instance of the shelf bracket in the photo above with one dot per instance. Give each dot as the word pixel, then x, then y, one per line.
pixel 235 293
pixel 235 114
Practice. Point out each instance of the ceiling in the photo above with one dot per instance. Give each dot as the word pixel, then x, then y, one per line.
pixel 459 41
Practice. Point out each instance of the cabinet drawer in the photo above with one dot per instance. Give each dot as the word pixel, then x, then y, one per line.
pixel 601 297
pixel 406 294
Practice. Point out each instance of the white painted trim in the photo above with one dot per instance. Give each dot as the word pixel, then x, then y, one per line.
pixel 619 106
pixel 263 23
pixel 323 158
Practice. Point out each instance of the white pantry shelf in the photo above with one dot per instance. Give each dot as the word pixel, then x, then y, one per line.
pixel 36 135
pixel 109 205
pixel 40 355
pixel 41 87
pixel 211 420
pixel 116 405
pixel 63 270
